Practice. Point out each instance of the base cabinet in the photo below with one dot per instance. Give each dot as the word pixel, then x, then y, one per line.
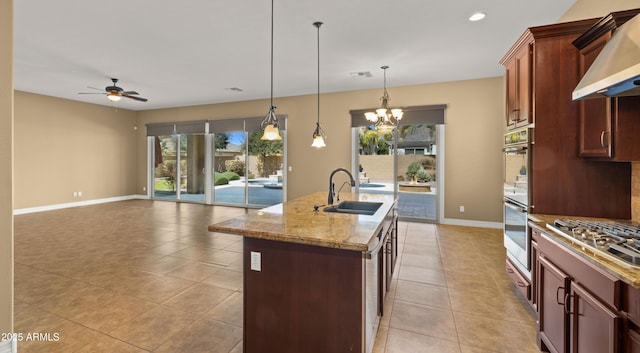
pixel 579 305
pixel 554 287
pixel 595 328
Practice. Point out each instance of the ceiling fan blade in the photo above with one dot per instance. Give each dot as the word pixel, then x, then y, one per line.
pixel 91 93
pixel 99 89
pixel 136 98
pixel 130 93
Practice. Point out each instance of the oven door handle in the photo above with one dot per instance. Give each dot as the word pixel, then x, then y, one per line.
pixel 515 207
pixel 518 149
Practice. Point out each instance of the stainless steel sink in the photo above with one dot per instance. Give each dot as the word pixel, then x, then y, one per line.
pixel 355 207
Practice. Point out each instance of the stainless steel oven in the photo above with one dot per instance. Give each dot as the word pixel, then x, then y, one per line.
pixel 517 240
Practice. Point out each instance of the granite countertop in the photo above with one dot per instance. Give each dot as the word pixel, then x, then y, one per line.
pixel 627 274
pixel 295 221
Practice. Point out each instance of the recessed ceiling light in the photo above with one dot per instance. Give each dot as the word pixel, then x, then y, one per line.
pixel 477 16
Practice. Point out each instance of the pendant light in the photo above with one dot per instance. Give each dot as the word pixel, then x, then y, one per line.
pixel 385 119
pixel 270 122
pixel 318 134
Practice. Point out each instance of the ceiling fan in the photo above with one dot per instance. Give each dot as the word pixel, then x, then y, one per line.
pixel 115 93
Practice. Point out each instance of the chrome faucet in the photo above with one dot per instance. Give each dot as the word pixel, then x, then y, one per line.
pixel 332 186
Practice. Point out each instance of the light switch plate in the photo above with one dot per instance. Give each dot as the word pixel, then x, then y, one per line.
pixel 256 261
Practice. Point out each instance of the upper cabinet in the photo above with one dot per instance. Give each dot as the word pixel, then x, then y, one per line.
pixel 542 70
pixel 518 75
pixel 609 126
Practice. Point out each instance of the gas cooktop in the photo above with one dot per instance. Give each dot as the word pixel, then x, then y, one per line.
pixel 619 242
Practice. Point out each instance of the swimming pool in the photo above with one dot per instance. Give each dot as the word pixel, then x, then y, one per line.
pixel 371 185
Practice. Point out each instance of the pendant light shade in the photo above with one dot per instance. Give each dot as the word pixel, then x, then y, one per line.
pixel 385 119
pixel 270 122
pixel 318 134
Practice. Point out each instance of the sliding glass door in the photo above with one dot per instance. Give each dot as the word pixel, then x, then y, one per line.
pixel 165 171
pixel 229 175
pixel 404 163
pixel 222 162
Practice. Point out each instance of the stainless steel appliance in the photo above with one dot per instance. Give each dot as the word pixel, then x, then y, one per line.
pixel 517 240
pixel 617 241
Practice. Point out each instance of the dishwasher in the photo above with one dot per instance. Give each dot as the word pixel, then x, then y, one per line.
pixel 373 272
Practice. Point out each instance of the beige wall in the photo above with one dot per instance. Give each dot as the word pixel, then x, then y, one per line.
pixel 6 160
pixel 63 146
pixel 583 9
pixel 474 127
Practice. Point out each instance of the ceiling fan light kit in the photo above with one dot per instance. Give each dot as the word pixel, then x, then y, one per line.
pixel 115 93
pixel 113 97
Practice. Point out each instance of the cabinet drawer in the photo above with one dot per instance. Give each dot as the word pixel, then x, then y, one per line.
pixel 523 284
pixel 603 285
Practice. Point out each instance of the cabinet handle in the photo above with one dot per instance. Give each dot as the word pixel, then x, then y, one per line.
pixel 602 140
pixel 515 114
pixel 557 292
pixel 521 284
pixel 567 296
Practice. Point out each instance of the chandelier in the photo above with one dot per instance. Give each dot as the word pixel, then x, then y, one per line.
pixel 385 119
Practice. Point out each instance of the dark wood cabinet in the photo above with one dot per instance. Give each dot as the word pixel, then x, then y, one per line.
pixel 535 265
pixel 558 176
pixel 553 291
pixel 523 285
pixel 518 77
pixel 579 305
pixel 595 328
pixel 608 126
pixel 305 298
pixel 633 342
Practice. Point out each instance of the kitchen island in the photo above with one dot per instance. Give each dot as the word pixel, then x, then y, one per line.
pixel 315 281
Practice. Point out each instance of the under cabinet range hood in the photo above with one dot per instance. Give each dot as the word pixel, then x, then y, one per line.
pixel 616 70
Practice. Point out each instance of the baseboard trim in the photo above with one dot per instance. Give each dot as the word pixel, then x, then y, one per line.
pixel 9 346
pixel 20 211
pixel 470 223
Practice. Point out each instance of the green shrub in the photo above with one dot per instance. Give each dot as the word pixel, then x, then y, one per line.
pixel 235 166
pixel 412 169
pixel 231 176
pixel 220 179
pixel 423 176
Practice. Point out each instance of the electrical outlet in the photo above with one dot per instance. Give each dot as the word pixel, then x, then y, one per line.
pixel 461 208
pixel 256 260
pixel 144 188
pixel 79 193
pixel 75 194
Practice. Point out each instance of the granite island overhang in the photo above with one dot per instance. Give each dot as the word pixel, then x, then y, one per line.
pixel 295 222
pixel 315 282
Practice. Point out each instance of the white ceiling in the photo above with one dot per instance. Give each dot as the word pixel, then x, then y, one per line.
pixel 179 53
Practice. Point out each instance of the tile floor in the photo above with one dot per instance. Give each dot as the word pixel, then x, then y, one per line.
pixel 146 276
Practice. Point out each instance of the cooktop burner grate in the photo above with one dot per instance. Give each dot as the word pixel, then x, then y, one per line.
pixel 619 242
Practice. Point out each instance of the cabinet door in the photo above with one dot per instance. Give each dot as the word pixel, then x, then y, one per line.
pixel 512 95
pixel 534 274
pixel 633 341
pixel 519 79
pixel 552 294
pixel 594 328
pixel 596 135
pixel 524 63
